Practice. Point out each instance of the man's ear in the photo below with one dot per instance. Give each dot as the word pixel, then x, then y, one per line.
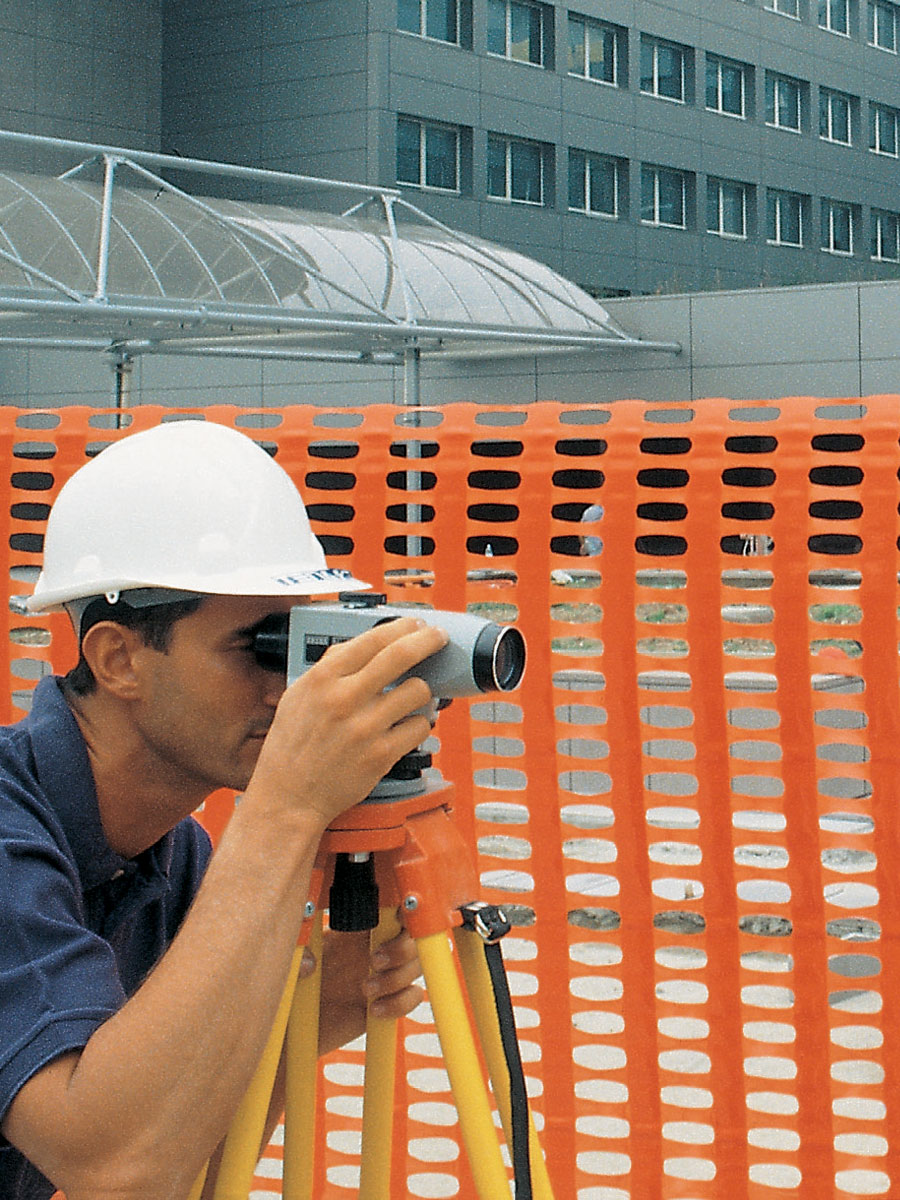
pixel 112 652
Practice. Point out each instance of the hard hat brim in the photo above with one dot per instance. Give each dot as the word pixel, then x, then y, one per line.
pixel 319 581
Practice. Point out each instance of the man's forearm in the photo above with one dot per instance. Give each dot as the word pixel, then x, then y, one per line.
pixel 151 1095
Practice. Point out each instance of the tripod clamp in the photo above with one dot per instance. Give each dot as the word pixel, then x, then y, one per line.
pixel 487 920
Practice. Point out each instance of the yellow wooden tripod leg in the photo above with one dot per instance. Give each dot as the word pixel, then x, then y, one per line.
pixel 378 1092
pixel 461 1060
pixel 243 1143
pixel 197 1189
pixel 301 1078
pixel 470 949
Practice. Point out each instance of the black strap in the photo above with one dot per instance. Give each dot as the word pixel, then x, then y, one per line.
pixel 491 924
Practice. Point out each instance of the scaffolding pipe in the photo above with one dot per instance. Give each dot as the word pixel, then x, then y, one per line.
pixel 287 323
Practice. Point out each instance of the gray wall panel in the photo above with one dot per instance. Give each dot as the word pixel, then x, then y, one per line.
pixel 786 327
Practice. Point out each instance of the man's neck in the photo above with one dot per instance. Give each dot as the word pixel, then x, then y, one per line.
pixel 137 806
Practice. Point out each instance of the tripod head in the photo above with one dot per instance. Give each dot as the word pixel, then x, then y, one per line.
pixel 353 901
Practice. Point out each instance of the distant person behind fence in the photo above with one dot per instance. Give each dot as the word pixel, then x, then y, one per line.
pixel 590 544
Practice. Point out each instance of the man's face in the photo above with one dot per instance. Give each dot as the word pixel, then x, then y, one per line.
pixel 207 703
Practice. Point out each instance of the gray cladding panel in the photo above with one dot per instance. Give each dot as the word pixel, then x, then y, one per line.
pixel 793 326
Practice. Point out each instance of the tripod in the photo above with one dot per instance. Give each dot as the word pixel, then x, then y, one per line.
pixel 398 851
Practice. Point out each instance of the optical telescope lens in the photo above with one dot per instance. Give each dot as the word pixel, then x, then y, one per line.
pixel 509 659
pixel 498 661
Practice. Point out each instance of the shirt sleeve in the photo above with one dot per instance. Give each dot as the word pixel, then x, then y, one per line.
pixel 58 981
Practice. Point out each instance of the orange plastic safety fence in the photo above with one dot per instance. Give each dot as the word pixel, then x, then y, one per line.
pixel 690 807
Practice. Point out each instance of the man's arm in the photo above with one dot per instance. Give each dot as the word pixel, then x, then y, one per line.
pixel 139 1110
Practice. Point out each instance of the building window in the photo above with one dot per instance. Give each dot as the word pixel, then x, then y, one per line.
pixel 783 109
pixel 834 15
pixel 837 227
pixel 885 236
pixel 784 218
pixel 664 69
pixel 726 208
pixel 834 117
pixel 595 50
pixel 663 197
pixel 595 183
pixel 884 130
pixel 787 8
pixel 436 19
pixel 883 25
pixel 516 30
pixel 726 86
pixel 427 154
pixel 515 169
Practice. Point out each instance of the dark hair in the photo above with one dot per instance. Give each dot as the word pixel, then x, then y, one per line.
pixel 153 624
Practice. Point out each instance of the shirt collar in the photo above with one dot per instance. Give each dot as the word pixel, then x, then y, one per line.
pixel 64 772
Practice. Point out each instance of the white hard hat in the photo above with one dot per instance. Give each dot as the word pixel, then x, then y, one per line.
pixel 188 506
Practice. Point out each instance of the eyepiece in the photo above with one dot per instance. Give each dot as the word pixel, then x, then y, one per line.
pixel 270 642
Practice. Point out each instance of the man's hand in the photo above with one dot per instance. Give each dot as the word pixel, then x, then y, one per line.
pixel 353 977
pixel 341 726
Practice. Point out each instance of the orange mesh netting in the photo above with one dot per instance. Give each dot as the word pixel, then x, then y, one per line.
pixel 690 807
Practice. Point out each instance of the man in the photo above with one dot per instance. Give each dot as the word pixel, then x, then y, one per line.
pixel 139 975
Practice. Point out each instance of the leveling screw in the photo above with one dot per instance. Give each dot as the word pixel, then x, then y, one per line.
pixel 411 903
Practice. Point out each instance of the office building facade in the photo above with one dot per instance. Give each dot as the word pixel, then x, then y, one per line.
pixel 638 146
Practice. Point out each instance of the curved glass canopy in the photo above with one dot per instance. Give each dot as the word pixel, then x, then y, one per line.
pixel 113 255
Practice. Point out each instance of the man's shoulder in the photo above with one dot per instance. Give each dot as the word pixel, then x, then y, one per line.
pixel 18 765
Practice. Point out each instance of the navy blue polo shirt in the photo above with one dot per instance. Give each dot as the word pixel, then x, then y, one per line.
pixel 80 927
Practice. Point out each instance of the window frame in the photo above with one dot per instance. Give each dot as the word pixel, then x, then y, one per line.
pixel 876 243
pixel 655 44
pixel 602 28
pixel 656 171
pixel 774 206
pixel 608 160
pixel 717 62
pixel 828 7
pixel 425 127
pixel 716 186
pixel 873 25
pixel 774 6
pixel 827 99
pixel 776 79
pixel 509 142
pixel 537 11
pixel 877 114
pixel 831 208
pixel 422 31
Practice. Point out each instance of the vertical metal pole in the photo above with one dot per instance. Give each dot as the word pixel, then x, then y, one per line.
pixel 412 379
pixel 412 376
pixel 105 224
pixel 123 368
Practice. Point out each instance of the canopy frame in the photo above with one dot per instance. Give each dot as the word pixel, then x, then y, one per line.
pixel 52 313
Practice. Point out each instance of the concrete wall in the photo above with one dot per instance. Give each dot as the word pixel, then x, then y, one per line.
pixel 83 69
pixel 832 341
pixel 285 86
